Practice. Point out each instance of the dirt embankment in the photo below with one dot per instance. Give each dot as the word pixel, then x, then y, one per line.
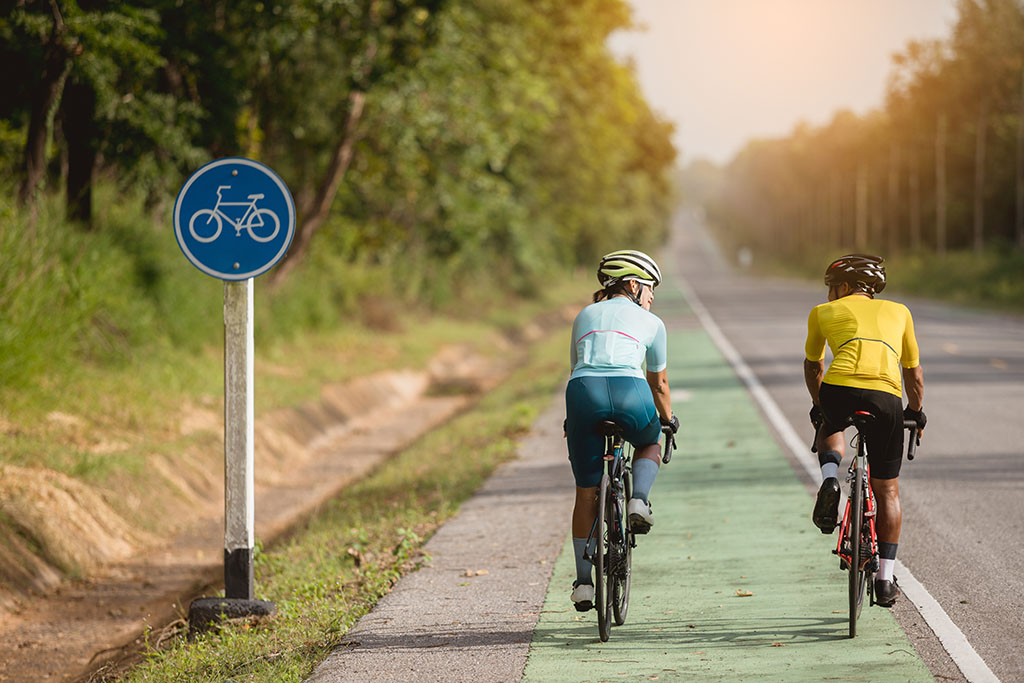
pixel 82 576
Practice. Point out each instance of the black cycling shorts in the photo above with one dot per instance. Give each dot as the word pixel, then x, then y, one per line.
pixel 884 435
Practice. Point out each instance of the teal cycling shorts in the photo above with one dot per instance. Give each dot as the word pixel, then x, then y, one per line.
pixel 590 399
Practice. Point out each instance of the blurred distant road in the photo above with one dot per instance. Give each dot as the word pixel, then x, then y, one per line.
pixel 963 496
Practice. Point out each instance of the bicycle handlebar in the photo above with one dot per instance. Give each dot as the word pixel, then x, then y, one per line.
pixel 670 444
pixel 915 440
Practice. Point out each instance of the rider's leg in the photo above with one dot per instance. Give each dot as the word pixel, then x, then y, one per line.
pixel 646 462
pixel 583 515
pixel 830 453
pixel 826 503
pixel 887 523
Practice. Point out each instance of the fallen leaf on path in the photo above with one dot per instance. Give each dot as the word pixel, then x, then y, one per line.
pixel 778 645
pixel 742 593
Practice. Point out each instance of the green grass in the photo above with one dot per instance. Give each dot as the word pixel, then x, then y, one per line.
pixel 335 569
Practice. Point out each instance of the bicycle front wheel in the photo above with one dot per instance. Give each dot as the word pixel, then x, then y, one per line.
pixel 623 565
pixel 601 565
pixel 855 531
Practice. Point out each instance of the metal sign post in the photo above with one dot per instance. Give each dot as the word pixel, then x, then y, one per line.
pixel 234 219
pixel 239 454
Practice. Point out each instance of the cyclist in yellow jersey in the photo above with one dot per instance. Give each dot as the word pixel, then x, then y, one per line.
pixel 875 354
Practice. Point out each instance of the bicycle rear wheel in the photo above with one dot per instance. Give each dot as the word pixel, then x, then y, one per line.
pixel 601 599
pixel 854 529
pixel 623 566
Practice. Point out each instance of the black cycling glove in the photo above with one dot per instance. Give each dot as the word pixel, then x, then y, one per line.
pixel 672 423
pixel 917 416
pixel 816 417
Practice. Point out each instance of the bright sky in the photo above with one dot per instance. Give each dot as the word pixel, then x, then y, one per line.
pixel 726 71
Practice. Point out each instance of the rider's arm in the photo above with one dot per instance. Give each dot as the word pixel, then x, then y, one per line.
pixel 657 371
pixel 913 375
pixel 814 356
pixel 814 370
pixel 913 382
pixel 659 387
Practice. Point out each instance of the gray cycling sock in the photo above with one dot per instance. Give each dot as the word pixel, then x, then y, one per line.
pixel 829 461
pixel 583 565
pixel 644 472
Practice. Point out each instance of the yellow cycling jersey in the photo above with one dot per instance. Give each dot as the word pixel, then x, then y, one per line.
pixel 870 340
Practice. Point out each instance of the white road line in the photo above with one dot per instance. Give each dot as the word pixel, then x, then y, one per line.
pixel 952 638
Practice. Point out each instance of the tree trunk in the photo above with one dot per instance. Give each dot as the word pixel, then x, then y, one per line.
pixel 78 124
pixel 940 186
pixel 56 65
pixel 914 184
pixel 893 207
pixel 860 234
pixel 979 178
pixel 327 191
pixel 1019 216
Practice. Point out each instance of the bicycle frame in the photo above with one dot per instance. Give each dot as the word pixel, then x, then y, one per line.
pixel 238 225
pixel 860 467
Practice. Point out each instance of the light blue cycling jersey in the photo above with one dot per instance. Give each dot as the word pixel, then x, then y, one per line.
pixel 613 338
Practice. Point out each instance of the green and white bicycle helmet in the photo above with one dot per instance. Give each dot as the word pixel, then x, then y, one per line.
pixel 863 271
pixel 628 264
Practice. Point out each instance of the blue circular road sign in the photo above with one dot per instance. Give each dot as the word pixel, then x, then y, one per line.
pixel 234 218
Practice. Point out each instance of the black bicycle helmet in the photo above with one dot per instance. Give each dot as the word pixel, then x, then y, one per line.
pixel 863 271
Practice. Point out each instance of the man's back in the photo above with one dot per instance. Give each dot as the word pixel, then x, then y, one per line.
pixel 870 340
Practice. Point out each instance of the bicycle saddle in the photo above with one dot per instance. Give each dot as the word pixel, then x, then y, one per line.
pixel 256 196
pixel 861 418
pixel 609 428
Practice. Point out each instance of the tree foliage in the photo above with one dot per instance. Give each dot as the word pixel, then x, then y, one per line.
pixel 940 166
pixel 474 138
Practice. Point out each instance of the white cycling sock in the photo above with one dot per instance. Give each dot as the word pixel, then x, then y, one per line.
pixel 885 568
pixel 829 469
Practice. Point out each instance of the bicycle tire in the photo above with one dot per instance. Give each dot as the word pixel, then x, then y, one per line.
pixel 624 567
pixel 856 585
pixel 601 564
pixel 251 227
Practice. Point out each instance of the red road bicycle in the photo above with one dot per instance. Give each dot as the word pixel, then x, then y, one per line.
pixel 857 546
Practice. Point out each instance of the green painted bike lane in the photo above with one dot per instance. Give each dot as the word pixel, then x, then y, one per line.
pixel 733 583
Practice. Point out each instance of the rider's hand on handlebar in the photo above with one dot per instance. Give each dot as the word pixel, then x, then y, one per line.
pixel 816 417
pixel 917 416
pixel 672 423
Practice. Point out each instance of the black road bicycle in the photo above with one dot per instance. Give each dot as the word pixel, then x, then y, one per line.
pixel 611 534
pixel 857 538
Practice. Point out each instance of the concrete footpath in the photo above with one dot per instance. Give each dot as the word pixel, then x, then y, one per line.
pixel 733 583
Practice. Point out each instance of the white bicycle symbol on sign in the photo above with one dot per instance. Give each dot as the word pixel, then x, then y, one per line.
pixel 252 220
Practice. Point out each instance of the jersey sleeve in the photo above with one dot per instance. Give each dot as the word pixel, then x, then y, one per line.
pixel 911 357
pixel 814 347
pixel 657 351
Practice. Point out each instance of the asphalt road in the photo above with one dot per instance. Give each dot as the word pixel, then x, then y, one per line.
pixel 962 497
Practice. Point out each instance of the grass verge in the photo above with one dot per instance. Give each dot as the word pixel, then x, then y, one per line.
pixel 334 570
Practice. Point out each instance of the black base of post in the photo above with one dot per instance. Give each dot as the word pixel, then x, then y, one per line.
pixel 205 612
pixel 238 573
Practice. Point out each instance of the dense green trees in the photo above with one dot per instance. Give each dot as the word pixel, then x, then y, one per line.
pixel 476 137
pixel 940 167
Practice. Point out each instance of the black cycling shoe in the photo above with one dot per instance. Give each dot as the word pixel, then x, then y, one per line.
pixel 826 507
pixel 886 592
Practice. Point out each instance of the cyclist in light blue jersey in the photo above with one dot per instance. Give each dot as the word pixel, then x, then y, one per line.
pixel 612 338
